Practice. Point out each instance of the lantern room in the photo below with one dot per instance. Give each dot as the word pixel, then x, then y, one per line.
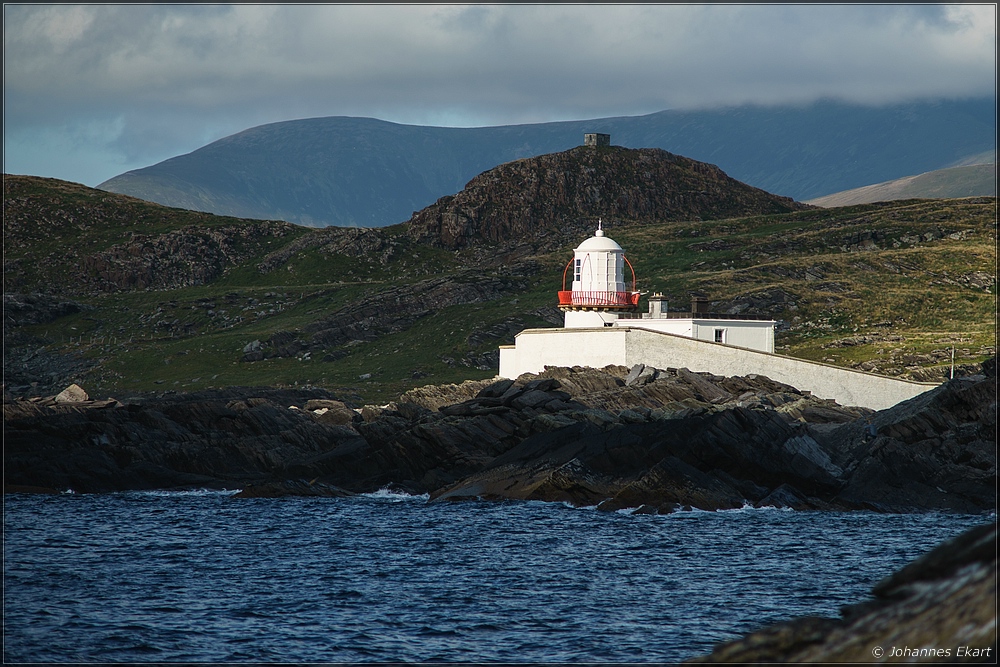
pixel 598 291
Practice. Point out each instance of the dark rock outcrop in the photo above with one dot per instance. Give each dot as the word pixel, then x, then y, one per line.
pixel 36 308
pixel 194 255
pixel 651 439
pixel 724 445
pixel 551 198
pixel 28 360
pixel 939 608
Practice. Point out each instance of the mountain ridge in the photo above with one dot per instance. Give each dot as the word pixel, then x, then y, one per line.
pixel 976 180
pixel 366 172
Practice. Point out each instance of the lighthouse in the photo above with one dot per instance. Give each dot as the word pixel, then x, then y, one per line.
pixel 604 328
pixel 598 293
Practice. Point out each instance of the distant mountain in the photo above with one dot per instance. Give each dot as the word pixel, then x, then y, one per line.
pixel 365 172
pixel 558 197
pixel 978 180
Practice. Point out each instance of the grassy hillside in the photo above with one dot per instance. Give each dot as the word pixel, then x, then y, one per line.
pixel 890 287
pixel 979 180
pixel 884 287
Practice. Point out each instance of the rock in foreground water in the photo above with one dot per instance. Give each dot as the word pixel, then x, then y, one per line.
pixel 939 608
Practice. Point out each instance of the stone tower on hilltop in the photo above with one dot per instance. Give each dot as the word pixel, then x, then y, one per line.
pixel 596 139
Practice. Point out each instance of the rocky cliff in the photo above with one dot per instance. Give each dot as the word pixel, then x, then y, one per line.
pixel 650 439
pixel 553 198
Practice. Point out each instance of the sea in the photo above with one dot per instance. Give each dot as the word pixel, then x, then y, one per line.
pixel 203 577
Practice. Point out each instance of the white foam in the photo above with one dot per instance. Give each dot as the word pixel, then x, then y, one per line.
pixel 159 493
pixel 747 507
pixel 571 506
pixel 385 493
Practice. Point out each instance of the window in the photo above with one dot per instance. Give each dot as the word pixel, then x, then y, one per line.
pixel 720 335
pixel 576 271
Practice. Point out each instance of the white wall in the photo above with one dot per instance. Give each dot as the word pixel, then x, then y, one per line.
pixel 535 349
pixel 508 362
pixel 586 319
pixel 676 326
pixel 755 334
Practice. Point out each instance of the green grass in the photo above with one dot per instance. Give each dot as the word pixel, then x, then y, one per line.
pixel 912 297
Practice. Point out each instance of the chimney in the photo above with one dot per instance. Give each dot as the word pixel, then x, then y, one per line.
pixel 699 304
pixel 657 306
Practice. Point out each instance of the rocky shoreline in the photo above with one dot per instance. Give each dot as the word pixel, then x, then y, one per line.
pixel 655 440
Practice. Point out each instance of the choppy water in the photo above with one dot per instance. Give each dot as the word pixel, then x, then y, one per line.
pixel 203 577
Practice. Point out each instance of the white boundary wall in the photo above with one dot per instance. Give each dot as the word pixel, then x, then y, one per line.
pixel 754 334
pixel 534 349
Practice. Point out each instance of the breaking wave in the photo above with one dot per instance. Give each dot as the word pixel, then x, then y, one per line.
pixel 395 495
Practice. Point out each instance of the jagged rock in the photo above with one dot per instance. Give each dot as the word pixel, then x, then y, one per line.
pixel 641 375
pixel 578 435
pixel 631 417
pixel 495 390
pixel 253 351
pixel 705 390
pixel 935 450
pixel 531 399
pixel 633 374
pixel 572 187
pixel 433 397
pixel 337 416
pixel 329 404
pixel 72 394
pixel 785 495
pixel 545 423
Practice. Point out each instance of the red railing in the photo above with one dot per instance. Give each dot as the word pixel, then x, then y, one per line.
pixel 614 299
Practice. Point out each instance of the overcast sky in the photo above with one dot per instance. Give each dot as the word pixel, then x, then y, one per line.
pixel 91 91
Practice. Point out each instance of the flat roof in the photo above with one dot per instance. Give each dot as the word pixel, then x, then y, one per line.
pixel 693 316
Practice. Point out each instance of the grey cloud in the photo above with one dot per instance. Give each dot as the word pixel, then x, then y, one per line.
pixel 176 71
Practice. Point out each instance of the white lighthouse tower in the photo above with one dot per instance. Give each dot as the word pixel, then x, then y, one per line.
pixel 598 293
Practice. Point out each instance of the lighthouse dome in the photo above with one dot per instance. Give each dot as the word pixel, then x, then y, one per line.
pixel 599 242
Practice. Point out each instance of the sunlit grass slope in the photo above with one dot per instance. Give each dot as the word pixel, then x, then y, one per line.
pixel 889 287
